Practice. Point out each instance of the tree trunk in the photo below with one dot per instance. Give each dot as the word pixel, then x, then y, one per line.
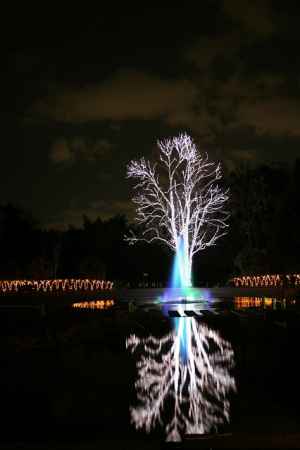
pixel 185 263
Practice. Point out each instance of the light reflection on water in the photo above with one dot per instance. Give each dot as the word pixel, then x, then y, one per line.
pixel 263 302
pixel 93 304
pixel 183 380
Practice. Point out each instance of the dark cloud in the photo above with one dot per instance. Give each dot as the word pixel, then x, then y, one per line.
pixel 61 152
pixel 126 95
pixel 68 151
pixel 275 116
pixel 103 88
pixel 98 208
pixel 253 16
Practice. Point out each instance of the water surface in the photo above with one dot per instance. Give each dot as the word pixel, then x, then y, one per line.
pixel 154 370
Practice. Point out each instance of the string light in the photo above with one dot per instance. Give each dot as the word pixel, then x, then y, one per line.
pixel 56 285
pixel 277 280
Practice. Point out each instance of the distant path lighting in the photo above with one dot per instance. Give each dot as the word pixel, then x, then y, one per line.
pixel 183 380
pixel 178 200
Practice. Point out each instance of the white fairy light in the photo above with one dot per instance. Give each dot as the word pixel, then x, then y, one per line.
pixel 56 285
pixel 196 386
pixel 178 198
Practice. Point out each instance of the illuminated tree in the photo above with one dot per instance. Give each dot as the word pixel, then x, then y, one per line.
pixel 179 201
pixel 183 381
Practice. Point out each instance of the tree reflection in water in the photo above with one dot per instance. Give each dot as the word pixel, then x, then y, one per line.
pixel 183 380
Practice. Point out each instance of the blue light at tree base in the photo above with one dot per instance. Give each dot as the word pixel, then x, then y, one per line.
pixel 178 291
pixel 178 287
pixel 178 270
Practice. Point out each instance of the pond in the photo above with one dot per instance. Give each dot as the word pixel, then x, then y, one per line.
pixel 149 370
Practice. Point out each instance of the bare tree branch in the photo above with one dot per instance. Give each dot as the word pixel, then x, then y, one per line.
pixel 179 197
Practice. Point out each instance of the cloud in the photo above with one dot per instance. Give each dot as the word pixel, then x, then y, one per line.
pixel 127 95
pixel 253 22
pixel 206 50
pixel 207 106
pixel 94 209
pixel 67 151
pixel 260 103
pixel 253 15
pixel 61 152
pixel 241 88
pixel 274 116
pixel 243 155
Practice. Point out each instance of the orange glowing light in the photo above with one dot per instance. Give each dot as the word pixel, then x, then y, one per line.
pixel 268 301
pixel 261 302
pixel 94 304
pixel 56 285
pixel 247 302
pixel 267 280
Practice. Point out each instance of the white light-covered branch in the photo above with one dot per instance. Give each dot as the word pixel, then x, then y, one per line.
pixel 179 198
pixel 195 386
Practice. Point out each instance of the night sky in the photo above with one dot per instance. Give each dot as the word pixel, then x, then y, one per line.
pixel 96 88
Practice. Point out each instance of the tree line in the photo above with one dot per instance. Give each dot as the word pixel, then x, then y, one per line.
pixel 263 237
